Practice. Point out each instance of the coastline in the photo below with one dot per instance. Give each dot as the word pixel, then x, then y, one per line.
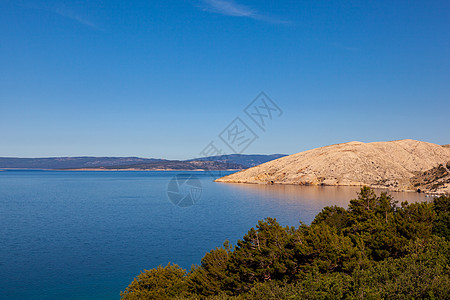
pixel 335 185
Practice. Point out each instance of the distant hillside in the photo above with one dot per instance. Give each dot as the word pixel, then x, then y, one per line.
pixel 246 160
pixel 69 162
pixel 226 162
pixel 180 165
pixel 382 164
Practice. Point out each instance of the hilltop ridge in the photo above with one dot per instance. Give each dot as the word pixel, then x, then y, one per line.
pixel 223 162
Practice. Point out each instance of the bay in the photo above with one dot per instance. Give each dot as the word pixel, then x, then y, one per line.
pixel 86 235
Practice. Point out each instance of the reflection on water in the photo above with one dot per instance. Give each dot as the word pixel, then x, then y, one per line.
pixel 316 197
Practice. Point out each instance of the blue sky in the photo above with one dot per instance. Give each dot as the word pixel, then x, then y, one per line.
pixel 164 78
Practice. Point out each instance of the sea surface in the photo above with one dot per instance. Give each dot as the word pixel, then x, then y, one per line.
pixel 86 235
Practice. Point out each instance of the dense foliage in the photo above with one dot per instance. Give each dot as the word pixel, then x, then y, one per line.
pixel 375 249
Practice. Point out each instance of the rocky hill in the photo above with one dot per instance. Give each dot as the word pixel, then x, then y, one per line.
pixel 390 165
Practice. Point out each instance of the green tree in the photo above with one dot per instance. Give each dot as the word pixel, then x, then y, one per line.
pixel 422 274
pixel 371 224
pixel 414 221
pixel 333 216
pixel 159 283
pixel 441 226
pixel 319 247
pixel 262 255
pixel 210 277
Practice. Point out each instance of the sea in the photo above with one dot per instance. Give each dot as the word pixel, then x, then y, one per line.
pixel 87 234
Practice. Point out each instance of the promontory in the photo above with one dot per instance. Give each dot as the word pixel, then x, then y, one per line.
pixel 397 165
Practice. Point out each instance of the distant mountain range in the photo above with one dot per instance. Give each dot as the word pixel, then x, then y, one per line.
pixel 225 162
pixel 245 160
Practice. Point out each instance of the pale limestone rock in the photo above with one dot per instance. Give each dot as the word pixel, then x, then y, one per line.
pixel 379 164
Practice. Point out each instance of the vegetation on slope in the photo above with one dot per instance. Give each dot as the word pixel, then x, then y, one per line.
pixel 375 249
pixel 434 180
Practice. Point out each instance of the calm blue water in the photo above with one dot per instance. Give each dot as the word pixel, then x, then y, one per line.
pixel 86 235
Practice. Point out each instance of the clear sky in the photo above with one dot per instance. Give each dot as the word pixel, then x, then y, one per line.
pixel 164 78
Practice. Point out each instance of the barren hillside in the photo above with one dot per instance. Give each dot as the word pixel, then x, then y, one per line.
pixel 381 164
